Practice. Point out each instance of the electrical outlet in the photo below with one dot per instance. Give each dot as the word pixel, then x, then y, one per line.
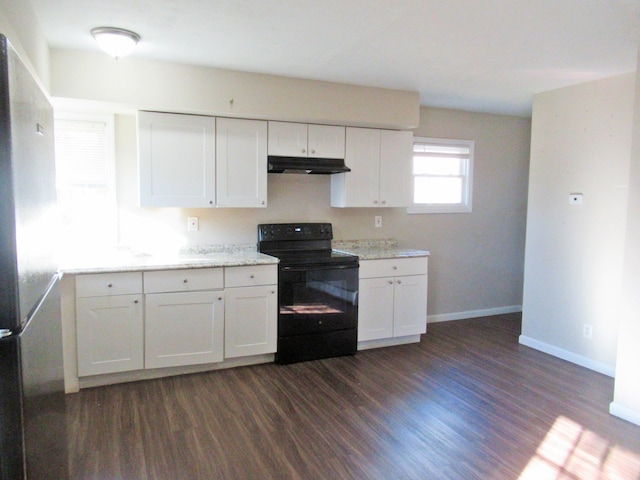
pixel 192 224
pixel 377 222
pixel 587 331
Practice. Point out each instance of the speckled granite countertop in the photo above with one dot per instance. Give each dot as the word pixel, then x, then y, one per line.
pixel 126 260
pixel 376 249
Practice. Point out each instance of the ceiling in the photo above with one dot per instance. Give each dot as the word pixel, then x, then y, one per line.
pixel 489 55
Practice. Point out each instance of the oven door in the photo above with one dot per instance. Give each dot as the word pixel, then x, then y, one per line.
pixel 317 299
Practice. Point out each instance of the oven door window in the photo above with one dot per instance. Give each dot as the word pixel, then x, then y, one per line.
pixel 317 299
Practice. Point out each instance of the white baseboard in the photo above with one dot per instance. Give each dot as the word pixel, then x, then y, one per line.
pixel 137 375
pixel 624 413
pixel 446 317
pixel 388 342
pixel 604 368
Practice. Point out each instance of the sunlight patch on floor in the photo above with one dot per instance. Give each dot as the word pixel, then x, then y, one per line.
pixel 569 451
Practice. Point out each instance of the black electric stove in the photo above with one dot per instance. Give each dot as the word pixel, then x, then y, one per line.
pixel 317 292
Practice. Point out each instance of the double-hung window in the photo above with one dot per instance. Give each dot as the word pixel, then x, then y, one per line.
pixel 85 179
pixel 442 175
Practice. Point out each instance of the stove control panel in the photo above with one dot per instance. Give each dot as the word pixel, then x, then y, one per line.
pixel 294 231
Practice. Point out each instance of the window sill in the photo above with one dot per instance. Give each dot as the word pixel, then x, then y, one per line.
pixel 445 208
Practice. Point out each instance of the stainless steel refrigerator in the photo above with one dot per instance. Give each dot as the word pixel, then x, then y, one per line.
pixel 32 405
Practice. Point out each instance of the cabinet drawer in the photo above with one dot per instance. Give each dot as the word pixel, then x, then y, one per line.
pixel 250 275
pixel 108 284
pixel 188 280
pixel 392 267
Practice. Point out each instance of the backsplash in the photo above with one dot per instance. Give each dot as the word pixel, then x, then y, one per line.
pixel 373 243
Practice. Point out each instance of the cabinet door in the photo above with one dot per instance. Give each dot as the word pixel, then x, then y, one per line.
pixel 287 139
pixel 410 305
pixel 110 334
pixel 326 141
pixel 184 328
pixel 251 321
pixel 396 152
pixel 177 159
pixel 241 163
pixel 375 309
pixel 361 186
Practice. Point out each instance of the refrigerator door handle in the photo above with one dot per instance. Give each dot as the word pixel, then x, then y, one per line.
pixel 5 333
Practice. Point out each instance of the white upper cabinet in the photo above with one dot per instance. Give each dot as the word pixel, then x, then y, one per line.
pixel 396 158
pixel 177 158
pixel 326 141
pixel 288 139
pixel 241 163
pixel 380 162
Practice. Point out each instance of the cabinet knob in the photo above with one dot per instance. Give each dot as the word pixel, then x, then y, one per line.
pixel 252 276
pixel 384 202
pixel 263 202
pixel 395 267
pixel 110 285
pixel 390 282
pixel 185 281
pixel 304 151
pixel 399 282
pixel 219 298
pixel 273 292
pixel 375 202
pixel 210 202
pixel 136 301
pixel 313 151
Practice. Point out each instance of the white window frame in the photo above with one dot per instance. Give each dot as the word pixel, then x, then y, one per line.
pixel 465 206
pixel 109 121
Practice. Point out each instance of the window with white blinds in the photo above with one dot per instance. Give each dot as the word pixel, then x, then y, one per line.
pixel 442 175
pixel 85 171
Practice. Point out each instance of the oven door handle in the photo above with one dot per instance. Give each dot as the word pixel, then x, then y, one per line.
pixel 308 268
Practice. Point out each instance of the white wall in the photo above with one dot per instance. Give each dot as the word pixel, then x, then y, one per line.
pixel 580 142
pixel 477 258
pixel 626 401
pixel 137 84
pixel 19 24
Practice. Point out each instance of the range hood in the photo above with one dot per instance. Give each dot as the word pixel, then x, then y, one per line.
pixel 321 166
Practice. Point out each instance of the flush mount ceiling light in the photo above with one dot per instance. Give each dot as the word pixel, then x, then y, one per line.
pixel 117 42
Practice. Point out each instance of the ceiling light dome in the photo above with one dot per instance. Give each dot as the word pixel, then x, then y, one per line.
pixel 117 42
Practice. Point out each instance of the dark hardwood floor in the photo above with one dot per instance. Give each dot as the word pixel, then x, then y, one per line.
pixel 468 402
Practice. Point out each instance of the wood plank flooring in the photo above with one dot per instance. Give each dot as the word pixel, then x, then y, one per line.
pixel 468 402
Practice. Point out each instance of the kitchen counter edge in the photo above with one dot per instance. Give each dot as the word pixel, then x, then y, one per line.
pixel 178 262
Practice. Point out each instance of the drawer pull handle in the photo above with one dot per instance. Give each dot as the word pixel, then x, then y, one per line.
pixel 110 285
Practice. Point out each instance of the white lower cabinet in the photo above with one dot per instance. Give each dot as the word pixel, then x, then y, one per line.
pixel 251 310
pixel 184 328
pixel 174 318
pixel 184 317
pixel 251 321
pixel 110 323
pixel 393 298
